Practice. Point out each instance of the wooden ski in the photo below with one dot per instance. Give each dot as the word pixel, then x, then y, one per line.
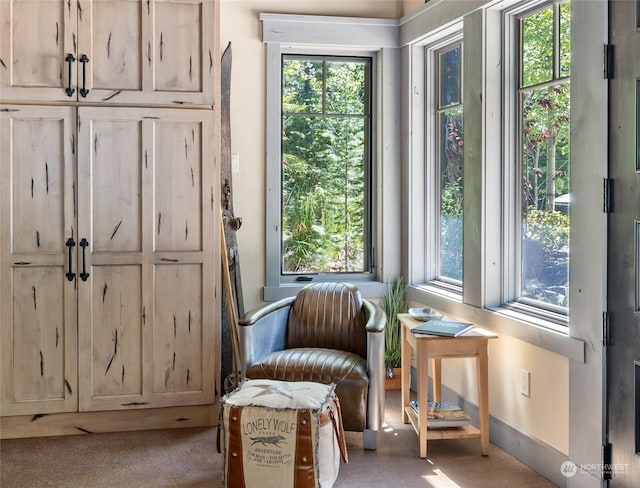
pixel 230 222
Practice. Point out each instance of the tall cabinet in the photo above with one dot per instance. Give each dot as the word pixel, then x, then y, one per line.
pixel 109 220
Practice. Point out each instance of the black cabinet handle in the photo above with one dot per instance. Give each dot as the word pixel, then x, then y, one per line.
pixel 69 91
pixel 83 244
pixel 70 244
pixel 84 60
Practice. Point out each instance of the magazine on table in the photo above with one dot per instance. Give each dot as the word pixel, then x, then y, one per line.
pixel 446 328
pixel 443 414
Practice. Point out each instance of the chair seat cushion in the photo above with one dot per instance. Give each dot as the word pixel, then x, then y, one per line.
pixel 347 370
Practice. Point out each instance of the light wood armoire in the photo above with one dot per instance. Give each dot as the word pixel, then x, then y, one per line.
pixel 109 215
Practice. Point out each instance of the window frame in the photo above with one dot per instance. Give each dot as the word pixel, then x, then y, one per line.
pixel 313 35
pixel 421 201
pixel 432 161
pixel 553 317
pixel 369 191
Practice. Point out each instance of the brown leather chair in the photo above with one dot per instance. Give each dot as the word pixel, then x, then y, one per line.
pixel 327 334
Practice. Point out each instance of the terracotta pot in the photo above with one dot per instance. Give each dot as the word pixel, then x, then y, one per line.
pixel 393 383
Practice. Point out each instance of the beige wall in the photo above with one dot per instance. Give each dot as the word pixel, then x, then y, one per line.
pixel 409 6
pixel 544 415
pixel 241 27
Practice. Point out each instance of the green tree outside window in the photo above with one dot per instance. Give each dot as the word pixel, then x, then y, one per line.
pixel 544 95
pixel 325 164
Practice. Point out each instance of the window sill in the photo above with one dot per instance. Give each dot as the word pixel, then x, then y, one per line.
pixel 500 320
pixel 367 289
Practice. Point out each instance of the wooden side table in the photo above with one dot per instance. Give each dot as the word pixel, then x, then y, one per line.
pixel 473 343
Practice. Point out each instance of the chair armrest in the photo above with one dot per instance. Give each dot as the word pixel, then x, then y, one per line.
pixel 376 318
pixel 258 313
pixel 262 331
pixel 376 323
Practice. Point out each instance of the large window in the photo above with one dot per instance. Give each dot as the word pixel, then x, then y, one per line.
pixel 326 119
pixel 332 160
pixel 543 155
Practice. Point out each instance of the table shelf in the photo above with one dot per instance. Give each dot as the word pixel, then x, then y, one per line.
pixel 463 432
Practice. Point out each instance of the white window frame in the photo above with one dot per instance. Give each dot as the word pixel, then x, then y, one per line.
pixel 432 163
pixel 420 201
pixel 374 38
pixel 552 317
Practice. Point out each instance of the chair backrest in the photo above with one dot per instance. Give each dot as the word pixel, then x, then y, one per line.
pixel 328 315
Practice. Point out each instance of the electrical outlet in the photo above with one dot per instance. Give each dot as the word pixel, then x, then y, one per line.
pixel 525 382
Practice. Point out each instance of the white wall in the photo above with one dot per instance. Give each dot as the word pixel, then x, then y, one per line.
pixel 544 415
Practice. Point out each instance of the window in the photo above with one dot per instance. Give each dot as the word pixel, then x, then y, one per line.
pixel 528 183
pixel 326 140
pixel 542 157
pixel 450 162
pixel 333 173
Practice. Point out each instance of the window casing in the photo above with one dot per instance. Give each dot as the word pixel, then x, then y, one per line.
pixel 350 38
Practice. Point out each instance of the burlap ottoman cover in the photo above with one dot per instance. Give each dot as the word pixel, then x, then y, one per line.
pixel 280 434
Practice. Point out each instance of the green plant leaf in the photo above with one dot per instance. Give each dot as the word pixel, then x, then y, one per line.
pixel 394 302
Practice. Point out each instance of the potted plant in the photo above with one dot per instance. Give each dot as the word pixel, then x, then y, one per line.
pixel 394 302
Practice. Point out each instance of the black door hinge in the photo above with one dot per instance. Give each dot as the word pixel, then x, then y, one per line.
pixel 607 206
pixel 605 329
pixel 606 461
pixel 609 61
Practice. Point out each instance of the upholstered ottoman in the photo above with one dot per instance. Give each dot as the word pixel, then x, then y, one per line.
pixel 281 434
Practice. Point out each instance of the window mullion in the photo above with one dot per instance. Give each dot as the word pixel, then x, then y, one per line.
pixel 324 87
pixel 556 41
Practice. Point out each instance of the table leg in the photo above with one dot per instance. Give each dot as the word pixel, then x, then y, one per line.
pixel 436 375
pixel 423 388
pixel 483 397
pixel 405 374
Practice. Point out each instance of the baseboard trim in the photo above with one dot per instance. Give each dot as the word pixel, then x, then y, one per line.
pixel 77 423
pixel 538 455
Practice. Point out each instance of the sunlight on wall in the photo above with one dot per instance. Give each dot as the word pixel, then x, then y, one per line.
pixel 544 415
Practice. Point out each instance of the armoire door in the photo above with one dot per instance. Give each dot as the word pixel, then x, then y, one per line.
pixel 150 52
pixel 158 52
pixel 147 237
pixel 36 39
pixel 38 244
